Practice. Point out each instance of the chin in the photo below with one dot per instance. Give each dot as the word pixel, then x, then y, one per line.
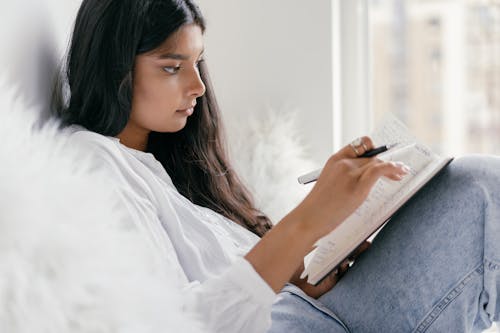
pixel 172 128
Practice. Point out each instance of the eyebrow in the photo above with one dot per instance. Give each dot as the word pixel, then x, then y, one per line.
pixel 177 56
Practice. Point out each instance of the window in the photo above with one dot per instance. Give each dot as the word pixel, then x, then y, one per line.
pixel 433 63
pixel 436 65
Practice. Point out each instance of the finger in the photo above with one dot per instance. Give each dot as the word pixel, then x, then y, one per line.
pixel 332 278
pixel 327 284
pixel 372 171
pixel 358 165
pixel 348 151
pixel 371 162
pixel 398 168
pixel 354 166
pixel 360 249
pixel 357 252
pixel 344 266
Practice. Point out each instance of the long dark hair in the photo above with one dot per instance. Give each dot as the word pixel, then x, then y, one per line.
pixel 108 34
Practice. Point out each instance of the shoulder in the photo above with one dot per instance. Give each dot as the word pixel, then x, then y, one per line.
pixel 80 137
pixel 114 161
pixel 87 142
pixel 96 150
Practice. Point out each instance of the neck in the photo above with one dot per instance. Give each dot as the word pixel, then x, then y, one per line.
pixel 133 137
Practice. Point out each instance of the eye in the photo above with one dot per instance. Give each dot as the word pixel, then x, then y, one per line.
pixel 199 62
pixel 172 69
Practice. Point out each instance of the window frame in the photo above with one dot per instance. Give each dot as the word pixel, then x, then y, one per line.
pixel 351 56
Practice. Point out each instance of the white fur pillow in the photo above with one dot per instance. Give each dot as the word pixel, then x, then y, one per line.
pixel 69 261
pixel 269 155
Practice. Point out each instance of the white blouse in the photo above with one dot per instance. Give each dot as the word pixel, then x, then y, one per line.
pixel 204 248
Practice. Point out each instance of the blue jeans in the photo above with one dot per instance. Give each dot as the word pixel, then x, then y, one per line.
pixel 435 267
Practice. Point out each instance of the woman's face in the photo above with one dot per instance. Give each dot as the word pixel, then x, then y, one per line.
pixel 166 83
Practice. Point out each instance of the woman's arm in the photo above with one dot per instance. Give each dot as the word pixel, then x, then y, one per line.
pixel 342 186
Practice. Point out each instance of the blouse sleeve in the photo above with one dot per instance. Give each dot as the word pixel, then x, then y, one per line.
pixel 237 300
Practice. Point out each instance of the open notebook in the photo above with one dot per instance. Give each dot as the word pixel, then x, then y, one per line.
pixel 385 198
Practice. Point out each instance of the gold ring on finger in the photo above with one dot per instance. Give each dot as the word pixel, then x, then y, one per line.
pixel 356 145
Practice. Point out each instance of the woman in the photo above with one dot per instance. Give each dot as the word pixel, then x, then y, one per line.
pixel 139 97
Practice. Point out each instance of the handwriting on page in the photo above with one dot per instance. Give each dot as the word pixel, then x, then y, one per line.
pixel 392 131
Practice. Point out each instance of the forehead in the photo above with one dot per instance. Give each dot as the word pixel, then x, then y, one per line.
pixel 188 39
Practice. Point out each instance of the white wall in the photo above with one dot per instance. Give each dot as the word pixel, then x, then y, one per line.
pixel 34 35
pixel 274 53
pixel 261 53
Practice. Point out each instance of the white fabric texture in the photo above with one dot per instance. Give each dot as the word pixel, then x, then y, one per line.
pixel 70 262
pixel 268 154
pixel 204 248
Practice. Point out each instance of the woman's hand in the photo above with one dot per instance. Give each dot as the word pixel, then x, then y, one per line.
pixel 316 291
pixel 343 185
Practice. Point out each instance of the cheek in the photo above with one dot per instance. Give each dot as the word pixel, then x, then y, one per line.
pixel 154 106
pixel 153 99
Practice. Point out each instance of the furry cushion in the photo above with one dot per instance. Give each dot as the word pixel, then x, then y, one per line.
pixel 70 261
pixel 269 155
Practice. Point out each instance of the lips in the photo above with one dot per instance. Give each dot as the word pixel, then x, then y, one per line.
pixel 190 106
pixel 189 110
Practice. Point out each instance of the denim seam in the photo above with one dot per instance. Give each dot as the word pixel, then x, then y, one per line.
pixel 491 265
pixel 445 301
pixel 317 305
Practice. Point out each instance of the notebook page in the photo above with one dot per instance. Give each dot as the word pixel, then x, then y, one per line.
pixel 392 131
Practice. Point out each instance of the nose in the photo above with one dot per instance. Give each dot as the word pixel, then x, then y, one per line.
pixel 196 87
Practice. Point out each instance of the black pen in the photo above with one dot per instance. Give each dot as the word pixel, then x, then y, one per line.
pixel 313 176
pixel 378 150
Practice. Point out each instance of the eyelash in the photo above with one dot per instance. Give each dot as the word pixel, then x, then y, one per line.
pixel 175 69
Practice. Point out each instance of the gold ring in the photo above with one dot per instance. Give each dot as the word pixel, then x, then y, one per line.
pixel 356 144
pixel 356 151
